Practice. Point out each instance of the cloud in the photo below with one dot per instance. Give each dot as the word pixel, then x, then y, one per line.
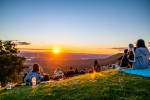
pixel 32 49
pixel 119 48
pixel 23 43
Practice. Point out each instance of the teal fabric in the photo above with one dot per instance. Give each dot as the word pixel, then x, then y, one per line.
pixel 141 72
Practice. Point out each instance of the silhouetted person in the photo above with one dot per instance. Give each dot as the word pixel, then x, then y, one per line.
pixel 91 70
pixel 124 61
pixel 97 67
pixel 70 73
pixel 76 73
pixel 82 71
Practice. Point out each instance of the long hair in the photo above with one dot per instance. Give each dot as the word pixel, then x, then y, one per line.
pixel 57 69
pixel 36 68
pixel 140 43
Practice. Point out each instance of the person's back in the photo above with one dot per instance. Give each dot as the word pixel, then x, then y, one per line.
pixel 124 60
pixel 82 71
pixel 70 72
pixel 141 58
pixel 97 67
pixel 34 72
pixel 28 78
pixel 141 55
pixel 58 73
pixel 76 72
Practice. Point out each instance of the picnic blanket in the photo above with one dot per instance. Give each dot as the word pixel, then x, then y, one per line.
pixel 141 72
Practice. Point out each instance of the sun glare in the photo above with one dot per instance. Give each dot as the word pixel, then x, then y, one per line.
pixel 56 51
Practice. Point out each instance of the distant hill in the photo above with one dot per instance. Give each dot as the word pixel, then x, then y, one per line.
pixel 110 60
pixel 63 55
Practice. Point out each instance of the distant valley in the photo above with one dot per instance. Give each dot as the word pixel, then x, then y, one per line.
pixel 50 61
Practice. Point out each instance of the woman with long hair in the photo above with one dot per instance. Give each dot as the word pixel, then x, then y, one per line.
pixel 58 73
pixel 35 72
pixel 141 55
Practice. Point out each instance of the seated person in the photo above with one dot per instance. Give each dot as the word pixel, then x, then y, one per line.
pixel 82 71
pixel 76 73
pixel 124 61
pixel 91 70
pixel 141 55
pixel 34 72
pixel 97 67
pixel 70 73
pixel 58 73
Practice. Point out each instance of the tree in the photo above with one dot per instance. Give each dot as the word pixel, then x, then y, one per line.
pixel 10 63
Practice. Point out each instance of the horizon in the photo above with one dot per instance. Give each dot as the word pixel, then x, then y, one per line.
pixel 75 26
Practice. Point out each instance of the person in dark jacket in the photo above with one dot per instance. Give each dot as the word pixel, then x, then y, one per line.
pixel 76 73
pixel 70 73
pixel 124 61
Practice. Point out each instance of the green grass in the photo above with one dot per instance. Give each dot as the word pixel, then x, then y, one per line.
pixel 106 85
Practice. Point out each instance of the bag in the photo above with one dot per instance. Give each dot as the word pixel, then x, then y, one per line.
pixel 130 55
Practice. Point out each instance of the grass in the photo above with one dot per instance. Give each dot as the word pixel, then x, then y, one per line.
pixel 106 85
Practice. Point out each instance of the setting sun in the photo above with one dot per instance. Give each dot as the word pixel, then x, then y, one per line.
pixel 56 51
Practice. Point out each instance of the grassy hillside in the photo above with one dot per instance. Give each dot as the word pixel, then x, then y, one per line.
pixel 106 85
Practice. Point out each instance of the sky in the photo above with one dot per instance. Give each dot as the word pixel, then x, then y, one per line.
pixel 75 26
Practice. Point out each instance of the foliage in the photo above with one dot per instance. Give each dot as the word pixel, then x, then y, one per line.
pixel 105 85
pixel 10 63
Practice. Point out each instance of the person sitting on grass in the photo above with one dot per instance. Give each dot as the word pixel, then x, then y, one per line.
pixel 91 70
pixel 76 73
pixel 70 73
pixel 34 72
pixel 124 61
pixel 141 55
pixel 97 67
pixel 58 73
pixel 82 71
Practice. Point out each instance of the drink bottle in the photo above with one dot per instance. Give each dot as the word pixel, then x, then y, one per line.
pixel 33 81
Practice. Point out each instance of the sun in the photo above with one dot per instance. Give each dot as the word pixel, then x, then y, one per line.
pixel 56 51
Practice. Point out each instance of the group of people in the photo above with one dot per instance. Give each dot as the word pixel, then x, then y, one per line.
pixel 134 57
pixel 40 76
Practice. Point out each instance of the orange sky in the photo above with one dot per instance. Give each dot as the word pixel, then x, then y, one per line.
pixel 91 50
